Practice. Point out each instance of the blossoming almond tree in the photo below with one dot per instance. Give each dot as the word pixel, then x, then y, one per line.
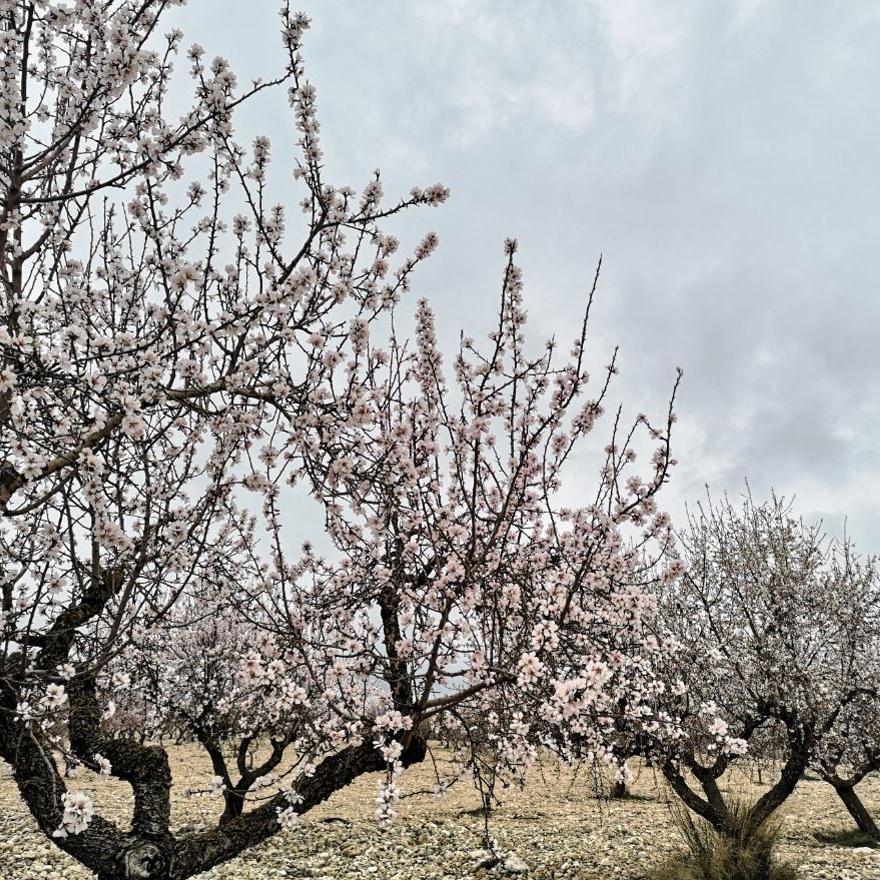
pixel 533 616
pixel 767 617
pixel 147 333
pixel 465 585
pixel 163 355
pixel 367 654
pixel 849 750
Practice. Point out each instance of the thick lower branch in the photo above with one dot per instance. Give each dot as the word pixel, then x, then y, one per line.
pixel 145 768
pixel 203 851
pixel 792 772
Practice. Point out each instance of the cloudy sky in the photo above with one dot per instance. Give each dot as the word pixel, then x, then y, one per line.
pixel 722 156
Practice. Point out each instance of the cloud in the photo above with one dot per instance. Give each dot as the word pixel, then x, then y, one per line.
pixel 723 156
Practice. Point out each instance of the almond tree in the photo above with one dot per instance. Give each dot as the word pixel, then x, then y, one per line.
pixel 849 753
pixel 147 332
pixel 465 585
pixel 767 616
pixel 533 616
pixel 164 356
pixel 850 750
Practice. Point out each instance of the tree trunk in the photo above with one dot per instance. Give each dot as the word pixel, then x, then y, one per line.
pixel 619 789
pixel 711 813
pixel 234 793
pixel 853 803
pixel 146 852
pixel 713 793
pixel 714 809
pixel 233 806
pixel 770 801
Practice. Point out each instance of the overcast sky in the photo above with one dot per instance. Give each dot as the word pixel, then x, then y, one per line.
pixel 722 156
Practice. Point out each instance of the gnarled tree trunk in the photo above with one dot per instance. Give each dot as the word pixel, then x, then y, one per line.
pixel 712 806
pixel 149 851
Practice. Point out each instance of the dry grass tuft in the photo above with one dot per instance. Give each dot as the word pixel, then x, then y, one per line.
pixel 748 854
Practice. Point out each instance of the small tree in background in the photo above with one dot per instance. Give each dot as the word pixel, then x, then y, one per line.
pixel 206 674
pixel 850 752
pixel 773 622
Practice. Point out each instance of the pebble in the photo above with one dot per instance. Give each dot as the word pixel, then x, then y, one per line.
pixel 567 835
pixel 513 864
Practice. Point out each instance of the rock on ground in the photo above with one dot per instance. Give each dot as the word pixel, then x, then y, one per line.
pixel 556 829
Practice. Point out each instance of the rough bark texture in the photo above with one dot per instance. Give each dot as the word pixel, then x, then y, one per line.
pixel 42 787
pixel 143 854
pixel 691 799
pixel 145 768
pixel 792 772
pixel 109 852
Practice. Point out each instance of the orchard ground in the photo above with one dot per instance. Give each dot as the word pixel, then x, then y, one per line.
pixel 556 826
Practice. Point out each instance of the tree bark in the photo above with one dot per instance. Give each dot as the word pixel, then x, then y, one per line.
pixel 716 818
pixel 853 803
pixel 792 772
pixel 619 789
pixel 713 793
pixel 146 852
pixel 42 788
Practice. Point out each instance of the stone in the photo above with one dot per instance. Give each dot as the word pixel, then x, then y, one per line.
pixel 483 858
pixel 513 864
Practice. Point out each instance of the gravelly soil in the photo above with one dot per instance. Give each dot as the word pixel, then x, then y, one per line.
pixel 556 826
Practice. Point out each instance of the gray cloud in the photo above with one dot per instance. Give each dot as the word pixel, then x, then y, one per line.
pixel 721 155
